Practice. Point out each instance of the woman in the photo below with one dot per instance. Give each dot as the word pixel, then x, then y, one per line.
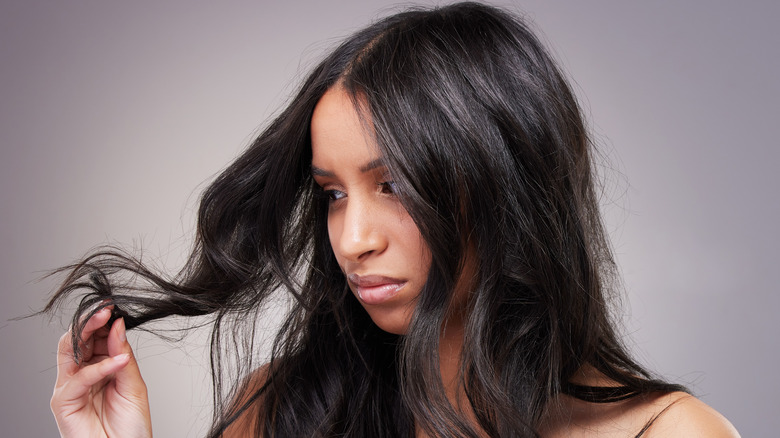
pixel 427 200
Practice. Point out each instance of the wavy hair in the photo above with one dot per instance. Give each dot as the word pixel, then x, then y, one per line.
pixel 492 160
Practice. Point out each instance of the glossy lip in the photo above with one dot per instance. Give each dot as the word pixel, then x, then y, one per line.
pixel 375 289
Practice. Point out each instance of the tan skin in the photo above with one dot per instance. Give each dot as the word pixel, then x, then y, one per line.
pixel 104 395
pixel 386 260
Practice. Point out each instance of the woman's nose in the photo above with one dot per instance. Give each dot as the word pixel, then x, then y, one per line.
pixel 361 231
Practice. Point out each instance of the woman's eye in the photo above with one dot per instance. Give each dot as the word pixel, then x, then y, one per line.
pixel 389 187
pixel 334 195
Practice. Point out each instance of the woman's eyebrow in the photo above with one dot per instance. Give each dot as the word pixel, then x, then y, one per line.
pixel 316 171
pixel 371 165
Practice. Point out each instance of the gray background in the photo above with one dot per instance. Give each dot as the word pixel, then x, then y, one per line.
pixel 114 116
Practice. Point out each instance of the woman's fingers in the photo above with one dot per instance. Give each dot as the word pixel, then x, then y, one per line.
pixel 104 392
pixel 66 363
pixel 69 395
pixel 75 381
pixel 128 379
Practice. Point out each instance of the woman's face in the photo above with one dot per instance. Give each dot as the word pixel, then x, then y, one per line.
pixel 376 242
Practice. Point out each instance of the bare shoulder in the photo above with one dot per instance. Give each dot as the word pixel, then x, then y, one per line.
pixel 651 415
pixel 687 416
pixel 243 412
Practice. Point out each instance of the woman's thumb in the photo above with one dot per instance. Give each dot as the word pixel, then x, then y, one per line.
pixel 128 379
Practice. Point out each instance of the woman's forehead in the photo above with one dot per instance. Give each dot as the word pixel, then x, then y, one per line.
pixel 339 132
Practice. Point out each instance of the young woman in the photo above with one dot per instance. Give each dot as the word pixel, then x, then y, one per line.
pixel 427 200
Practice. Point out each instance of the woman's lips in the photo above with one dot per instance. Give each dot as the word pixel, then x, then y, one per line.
pixel 375 289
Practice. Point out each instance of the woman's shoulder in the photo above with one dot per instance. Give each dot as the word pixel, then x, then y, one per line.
pixel 684 415
pixel 675 414
pixel 242 412
pixel 657 414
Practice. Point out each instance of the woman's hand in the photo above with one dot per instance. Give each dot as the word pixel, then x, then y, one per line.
pixel 104 395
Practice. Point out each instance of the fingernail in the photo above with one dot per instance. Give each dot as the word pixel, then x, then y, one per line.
pixel 120 327
pixel 121 357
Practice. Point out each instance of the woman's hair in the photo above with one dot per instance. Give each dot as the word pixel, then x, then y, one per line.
pixel 487 145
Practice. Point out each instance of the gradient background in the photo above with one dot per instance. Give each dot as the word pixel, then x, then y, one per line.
pixel 113 116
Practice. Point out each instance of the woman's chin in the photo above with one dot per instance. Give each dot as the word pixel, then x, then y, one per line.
pixel 391 321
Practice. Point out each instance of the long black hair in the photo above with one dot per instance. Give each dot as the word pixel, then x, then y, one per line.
pixel 487 145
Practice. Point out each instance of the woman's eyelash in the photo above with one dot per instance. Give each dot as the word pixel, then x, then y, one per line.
pixel 334 195
pixel 329 195
pixel 389 187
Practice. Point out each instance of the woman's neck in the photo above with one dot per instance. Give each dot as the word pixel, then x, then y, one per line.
pixel 450 348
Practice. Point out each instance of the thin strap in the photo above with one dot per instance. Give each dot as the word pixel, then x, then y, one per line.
pixel 655 417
